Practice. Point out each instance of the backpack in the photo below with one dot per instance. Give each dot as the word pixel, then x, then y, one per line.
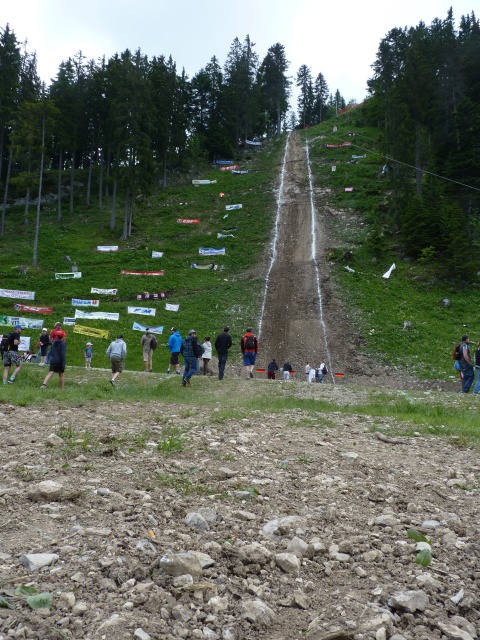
pixel 153 344
pixel 5 344
pixel 249 342
pixel 324 370
pixel 198 349
pixel 477 357
pixel 457 352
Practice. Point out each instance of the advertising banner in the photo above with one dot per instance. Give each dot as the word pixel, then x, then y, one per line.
pixel 96 315
pixel 76 302
pixel 142 273
pixel 143 327
pixel 211 252
pixel 151 296
pixel 188 220
pixel 105 292
pixel 157 254
pixel 231 207
pixel 197 182
pixel 13 293
pixel 26 308
pixel 172 307
pixel 107 248
pixel 142 311
pixel 68 276
pixel 91 331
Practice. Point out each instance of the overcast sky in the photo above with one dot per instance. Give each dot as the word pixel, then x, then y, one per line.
pixel 338 39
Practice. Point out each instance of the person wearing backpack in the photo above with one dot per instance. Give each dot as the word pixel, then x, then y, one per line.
pixel 11 356
pixel 191 351
pixel 249 346
pixel 149 344
pixel 223 342
pixel 466 366
pixel 321 372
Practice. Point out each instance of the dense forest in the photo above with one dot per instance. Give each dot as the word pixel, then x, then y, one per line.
pixel 125 126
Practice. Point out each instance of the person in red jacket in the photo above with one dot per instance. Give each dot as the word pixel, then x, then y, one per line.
pixel 249 346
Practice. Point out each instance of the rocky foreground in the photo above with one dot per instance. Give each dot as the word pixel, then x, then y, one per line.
pixel 127 522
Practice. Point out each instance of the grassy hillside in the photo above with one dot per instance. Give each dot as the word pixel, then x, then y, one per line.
pixel 413 292
pixel 208 299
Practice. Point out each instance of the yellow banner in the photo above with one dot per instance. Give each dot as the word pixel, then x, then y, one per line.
pixel 91 331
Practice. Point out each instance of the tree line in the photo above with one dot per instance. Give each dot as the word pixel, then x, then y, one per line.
pixel 129 123
pixel 425 100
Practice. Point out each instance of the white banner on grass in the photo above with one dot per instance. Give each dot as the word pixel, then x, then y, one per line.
pixel 27 323
pixel 388 273
pixel 69 322
pixel 104 292
pixel 231 207
pixel 197 182
pixel 143 327
pixel 20 295
pixel 252 143
pixel 24 344
pixel 157 254
pixel 106 248
pixel 142 311
pixel 76 302
pixel 68 276
pixel 172 307
pixel 211 252
pixel 96 315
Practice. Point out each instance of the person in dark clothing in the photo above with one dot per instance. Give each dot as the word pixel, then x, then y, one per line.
pixel 58 356
pixel 191 351
pixel 223 342
pixel 44 342
pixel 287 368
pixel 11 357
pixel 272 367
pixel 466 366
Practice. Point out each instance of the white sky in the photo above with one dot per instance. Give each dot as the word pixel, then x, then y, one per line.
pixel 338 39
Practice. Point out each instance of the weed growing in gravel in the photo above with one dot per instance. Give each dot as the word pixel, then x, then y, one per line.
pixel 181 483
pixel 171 441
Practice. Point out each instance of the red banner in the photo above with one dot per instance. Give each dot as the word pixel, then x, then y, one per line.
pixel 188 220
pixel 142 273
pixel 24 307
pixel 232 166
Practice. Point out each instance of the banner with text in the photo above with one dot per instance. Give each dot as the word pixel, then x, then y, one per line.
pixel 232 207
pixel 27 323
pixel 68 276
pixel 96 315
pixel 21 295
pixel 91 331
pixel 26 308
pixel 143 327
pixel 76 302
pixel 188 220
pixel 142 311
pixel 211 252
pixel 106 249
pixel 104 292
pixel 151 296
pixel 142 273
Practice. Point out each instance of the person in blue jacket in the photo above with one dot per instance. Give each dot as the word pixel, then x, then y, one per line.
pixel 174 344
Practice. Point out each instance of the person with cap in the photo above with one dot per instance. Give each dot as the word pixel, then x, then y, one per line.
pixel 174 344
pixel 191 351
pixel 249 347
pixel 11 357
pixel 223 342
pixel 53 333
pixel 117 352
pixel 43 342
pixel 58 355
pixel 88 352
pixel 146 342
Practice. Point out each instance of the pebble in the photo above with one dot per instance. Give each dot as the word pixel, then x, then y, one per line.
pixel 36 561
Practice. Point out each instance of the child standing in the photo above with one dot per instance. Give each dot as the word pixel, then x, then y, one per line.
pixel 88 355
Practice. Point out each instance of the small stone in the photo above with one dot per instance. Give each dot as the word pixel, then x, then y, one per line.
pixel 301 600
pixel 217 604
pixel 46 491
pixel 288 563
pixel 255 553
pixel 80 608
pixel 182 581
pixel 361 573
pixel 179 564
pixel 350 456
pixel 55 441
pixel 204 559
pixel 298 547
pixel 387 520
pixel 35 561
pixel 196 521
pixel 225 472
pixel 181 613
pixel 208 514
pixel 244 515
pixel 114 621
pixel 68 598
pixel 98 531
pixel 271 528
pixel 430 524
pixel 257 612
pixel 410 601
pixel 454 632
pixel 141 634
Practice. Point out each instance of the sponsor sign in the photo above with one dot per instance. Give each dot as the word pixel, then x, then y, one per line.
pixel 252 143
pixel 24 344
pixel 188 220
pixel 105 292
pixel 13 293
pixel 68 276
pixel 26 308
pixel 197 182
pixel 207 267
pixel 142 311
pixel 76 302
pixel 69 322
pixel 27 323
pixel 348 189
pixel 91 331
pixel 151 296
pixel 211 252
pixel 223 161
pixel 231 207
pixel 157 254
pixel 143 327
pixel 172 307
pixel 107 248
pixel 225 235
pixel 239 173
pixel 142 273
pixel 229 168
pixel 96 315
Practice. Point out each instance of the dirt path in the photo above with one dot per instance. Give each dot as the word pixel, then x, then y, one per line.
pixel 300 325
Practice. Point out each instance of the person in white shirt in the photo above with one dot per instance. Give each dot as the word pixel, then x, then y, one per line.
pixel 207 355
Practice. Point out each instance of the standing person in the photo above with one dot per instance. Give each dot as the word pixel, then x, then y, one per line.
pixel 477 367
pixel 287 368
pixel 207 355
pixel 249 346
pixel 53 333
pixel 58 355
pixel 44 342
pixel 223 342
pixel 311 374
pixel 11 356
pixel 466 366
pixel 88 351
pixel 174 344
pixel 146 343
pixel 191 351
pixel 272 367
pixel 117 352
pixel 321 372
pixel 307 371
